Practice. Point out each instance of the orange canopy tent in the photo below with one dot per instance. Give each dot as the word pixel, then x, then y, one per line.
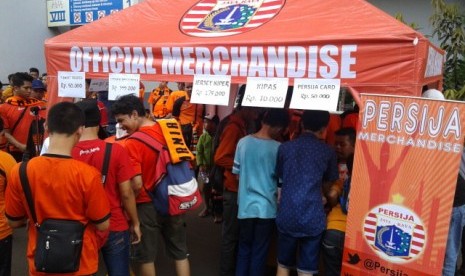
pixel 173 40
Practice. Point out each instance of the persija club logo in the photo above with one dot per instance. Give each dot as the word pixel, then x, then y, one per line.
pixel 215 18
pixel 395 233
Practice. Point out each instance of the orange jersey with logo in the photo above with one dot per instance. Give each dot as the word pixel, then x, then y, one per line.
pixel 62 188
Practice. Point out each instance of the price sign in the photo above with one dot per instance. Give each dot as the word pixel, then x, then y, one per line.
pixel 98 85
pixel 265 92
pixel 208 89
pixel 123 84
pixel 71 84
pixel 315 94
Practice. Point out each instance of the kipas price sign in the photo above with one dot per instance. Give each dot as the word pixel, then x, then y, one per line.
pixel 315 94
pixel 208 89
pixel 71 84
pixel 265 92
pixel 123 84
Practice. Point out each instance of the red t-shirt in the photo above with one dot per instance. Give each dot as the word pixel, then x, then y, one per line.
pixel 103 114
pixel 62 188
pixel 92 152
pixel 143 159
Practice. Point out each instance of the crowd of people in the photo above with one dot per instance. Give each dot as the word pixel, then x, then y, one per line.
pixel 265 174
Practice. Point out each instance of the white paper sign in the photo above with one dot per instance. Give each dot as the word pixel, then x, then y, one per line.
pixel 211 89
pixel 316 94
pixel 265 92
pixel 71 84
pixel 98 85
pixel 123 84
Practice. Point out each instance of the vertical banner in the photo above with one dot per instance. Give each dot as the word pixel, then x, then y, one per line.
pixel 406 163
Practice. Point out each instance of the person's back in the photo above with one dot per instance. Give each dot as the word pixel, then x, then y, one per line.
pixel 255 163
pixel 7 162
pixel 61 188
pixel 117 183
pixel 304 165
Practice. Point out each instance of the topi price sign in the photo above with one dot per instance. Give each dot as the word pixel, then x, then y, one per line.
pixel 71 84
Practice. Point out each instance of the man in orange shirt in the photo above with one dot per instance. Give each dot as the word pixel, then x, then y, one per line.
pixel 130 113
pixel 17 116
pixel 158 99
pixel 61 188
pixel 188 114
pixel 7 162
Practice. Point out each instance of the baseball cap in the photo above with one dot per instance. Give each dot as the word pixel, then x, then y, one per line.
pixel 38 84
pixel 433 94
pixel 213 118
pixel 91 112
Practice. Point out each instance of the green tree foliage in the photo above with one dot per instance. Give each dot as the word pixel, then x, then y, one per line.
pixel 448 23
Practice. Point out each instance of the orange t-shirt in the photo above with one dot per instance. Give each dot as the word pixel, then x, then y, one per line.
pixel 159 99
pixel 62 188
pixel 144 159
pixel 333 126
pixel 350 120
pixel 188 110
pixel 7 162
pixel 11 111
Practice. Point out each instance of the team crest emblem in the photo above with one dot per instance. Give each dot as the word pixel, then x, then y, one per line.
pixel 214 18
pixel 395 233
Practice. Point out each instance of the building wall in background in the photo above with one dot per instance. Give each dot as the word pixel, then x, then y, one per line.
pixel 24 29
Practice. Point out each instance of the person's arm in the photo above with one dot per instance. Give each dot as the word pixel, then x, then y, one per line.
pixel 104 225
pixel 224 156
pixel 129 204
pixel 200 157
pixel 136 184
pixel 12 140
pixel 17 223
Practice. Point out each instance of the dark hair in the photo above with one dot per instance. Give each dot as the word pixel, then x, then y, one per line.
pixel 65 118
pixel 10 76
pixel 88 81
pixel 19 78
pixel 315 120
pixel 347 131
pixel 276 117
pixel 240 97
pixel 127 104
pixel 33 69
pixel 350 163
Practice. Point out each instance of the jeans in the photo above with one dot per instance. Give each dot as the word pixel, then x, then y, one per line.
pixel 457 222
pixel 332 249
pixel 116 253
pixel 229 234
pixel 5 255
pixel 254 241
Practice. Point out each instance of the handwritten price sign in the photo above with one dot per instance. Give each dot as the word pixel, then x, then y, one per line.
pixel 208 89
pixel 123 84
pixel 315 94
pixel 98 85
pixel 71 84
pixel 265 92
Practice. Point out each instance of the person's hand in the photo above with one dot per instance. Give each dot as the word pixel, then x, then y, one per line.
pixel 136 234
